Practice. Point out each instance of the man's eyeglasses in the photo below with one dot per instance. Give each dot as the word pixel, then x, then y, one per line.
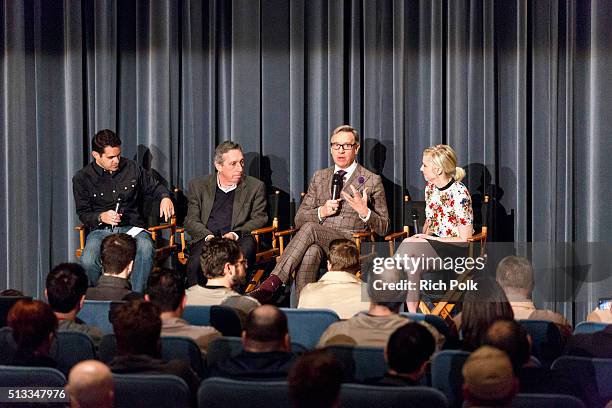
pixel 345 146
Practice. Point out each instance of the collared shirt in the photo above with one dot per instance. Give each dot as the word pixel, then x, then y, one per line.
pixel 110 287
pixel 526 310
pixel 225 189
pixel 97 190
pixel 349 172
pixel 339 291
pixel 371 331
pixel 202 335
pixel 220 295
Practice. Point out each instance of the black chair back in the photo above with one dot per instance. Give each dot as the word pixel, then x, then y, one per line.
pixel 70 348
pixel 6 302
pixel 217 392
pixel 367 396
pixel 151 391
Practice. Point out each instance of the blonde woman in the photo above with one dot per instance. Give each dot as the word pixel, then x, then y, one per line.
pixel 448 213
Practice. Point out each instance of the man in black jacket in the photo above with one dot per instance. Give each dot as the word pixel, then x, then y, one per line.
pixel 118 252
pixel 108 195
pixel 267 348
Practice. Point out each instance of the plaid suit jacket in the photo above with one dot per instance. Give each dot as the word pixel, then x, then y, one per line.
pixel 346 220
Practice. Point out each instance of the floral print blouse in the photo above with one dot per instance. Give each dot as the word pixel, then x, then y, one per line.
pixel 447 208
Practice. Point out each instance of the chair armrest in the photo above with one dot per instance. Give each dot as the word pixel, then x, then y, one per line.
pixel 285 232
pixel 478 237
pixel 264 230
pixel 162 227
pixel 396 235
pixel 79 227
pixel 362 234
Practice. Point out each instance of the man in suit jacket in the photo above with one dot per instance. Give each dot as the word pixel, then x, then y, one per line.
pixel 322 219
pixel 227 204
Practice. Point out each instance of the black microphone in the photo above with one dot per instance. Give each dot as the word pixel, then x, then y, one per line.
pixel 337 181
pixel 415 222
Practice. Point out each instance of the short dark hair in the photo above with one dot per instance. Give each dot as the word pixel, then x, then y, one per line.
pixel 266 324
pixel 383 296
pixel 66 284
pixel 137 328
pixel 116 253
pixel 216 252
pixel 409 347
pixel 315 379
pixel 166 288
pixel 344 256
pixel 104 138
pixel 32 321
pixel 509 336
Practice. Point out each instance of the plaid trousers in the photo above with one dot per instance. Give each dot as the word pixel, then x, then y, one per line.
pixel 304 254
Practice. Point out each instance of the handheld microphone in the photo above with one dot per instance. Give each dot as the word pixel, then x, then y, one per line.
pixel 336 186
pixel 415 222
pixel 117 205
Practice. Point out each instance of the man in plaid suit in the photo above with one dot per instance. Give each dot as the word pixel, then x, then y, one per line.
pixel 321 219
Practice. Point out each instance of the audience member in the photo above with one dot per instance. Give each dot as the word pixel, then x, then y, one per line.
pixel 601 315
pixel 117 257
pixel 224 265
pixel 510 337
pixel 338 289
pixel 137 328
pixel 65 291
pixel 373 328
pixel 212 200
pixel 166 289
pixel 266 348
pixel 11 293
pixel 515 275
pixel 110 195
pixel 480 309
pixel 597 344
pixel 8 297
pixel 315 380
pixel 488 380
pixel 90 385
pixel 407 354
pixel 33 327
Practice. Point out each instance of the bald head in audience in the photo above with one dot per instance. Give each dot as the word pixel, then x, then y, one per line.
pixel 90 385
pixel 266 330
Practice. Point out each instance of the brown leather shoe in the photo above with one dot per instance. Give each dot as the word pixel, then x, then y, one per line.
pixel 265 292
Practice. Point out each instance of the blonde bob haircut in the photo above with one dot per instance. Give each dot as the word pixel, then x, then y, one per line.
pixel 444 158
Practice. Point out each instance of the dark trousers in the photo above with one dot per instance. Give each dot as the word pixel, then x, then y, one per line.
pixel 194 271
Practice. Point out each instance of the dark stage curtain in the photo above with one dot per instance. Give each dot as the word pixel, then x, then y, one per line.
pixel 519 88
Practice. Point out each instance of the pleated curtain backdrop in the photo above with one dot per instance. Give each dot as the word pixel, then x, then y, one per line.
pixel 519 88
